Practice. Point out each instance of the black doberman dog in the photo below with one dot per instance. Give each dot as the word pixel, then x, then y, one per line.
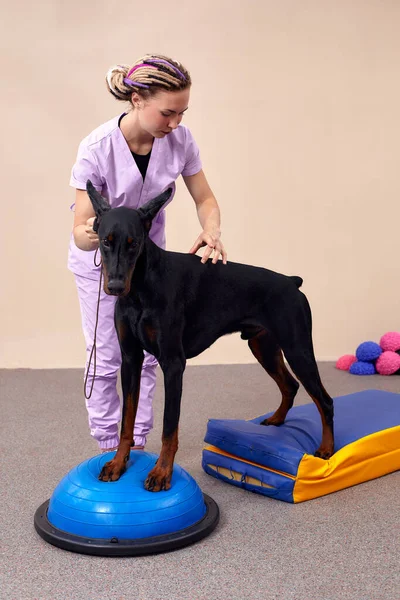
pixel 163 307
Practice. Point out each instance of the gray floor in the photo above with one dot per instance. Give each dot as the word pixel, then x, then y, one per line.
pixel 345 545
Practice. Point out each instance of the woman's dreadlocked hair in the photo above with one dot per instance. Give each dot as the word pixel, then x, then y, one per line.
pixel 149 75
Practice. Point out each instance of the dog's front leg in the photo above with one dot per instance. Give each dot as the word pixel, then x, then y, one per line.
pixel 131 368
pixel 160 477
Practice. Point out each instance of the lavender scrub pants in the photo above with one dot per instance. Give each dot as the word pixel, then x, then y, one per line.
pixel 104 411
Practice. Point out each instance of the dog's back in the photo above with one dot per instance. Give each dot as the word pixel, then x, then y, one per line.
pixel 213 300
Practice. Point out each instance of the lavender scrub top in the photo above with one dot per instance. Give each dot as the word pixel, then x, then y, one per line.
pixel 104 157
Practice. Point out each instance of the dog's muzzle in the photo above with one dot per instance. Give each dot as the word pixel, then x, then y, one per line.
pixel 116 287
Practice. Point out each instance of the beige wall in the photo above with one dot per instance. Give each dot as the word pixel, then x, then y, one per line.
pixel 295 107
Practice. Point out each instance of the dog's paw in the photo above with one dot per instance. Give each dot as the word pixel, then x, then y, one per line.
pixel 112 470
pixel 324 452
pixel 273 421
pixel 158 479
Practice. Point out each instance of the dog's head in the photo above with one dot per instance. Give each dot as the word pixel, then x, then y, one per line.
pixel 122 233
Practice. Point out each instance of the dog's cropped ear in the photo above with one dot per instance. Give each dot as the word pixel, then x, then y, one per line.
pixel 100 204
pixel 148 211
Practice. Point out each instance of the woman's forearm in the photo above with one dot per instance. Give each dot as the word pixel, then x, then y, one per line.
pixel 209 216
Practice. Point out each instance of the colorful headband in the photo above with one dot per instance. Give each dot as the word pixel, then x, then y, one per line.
pixel 135 83
pixel 165 62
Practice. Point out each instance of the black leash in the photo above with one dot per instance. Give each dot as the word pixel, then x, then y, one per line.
pixel 94 351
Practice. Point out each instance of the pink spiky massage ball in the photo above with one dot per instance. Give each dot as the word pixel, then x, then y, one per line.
pixel 390 341
pixel 344 362
pixel 388 363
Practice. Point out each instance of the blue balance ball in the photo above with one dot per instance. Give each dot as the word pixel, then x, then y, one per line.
pixel 362 368
pixel 121 517
pixel 368 351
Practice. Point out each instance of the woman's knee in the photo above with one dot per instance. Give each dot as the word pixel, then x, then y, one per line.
pixel 108 360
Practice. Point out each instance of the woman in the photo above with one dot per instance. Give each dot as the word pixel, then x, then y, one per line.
pixel 130 160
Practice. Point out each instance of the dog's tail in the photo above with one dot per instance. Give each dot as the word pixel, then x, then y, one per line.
pixel 297 280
